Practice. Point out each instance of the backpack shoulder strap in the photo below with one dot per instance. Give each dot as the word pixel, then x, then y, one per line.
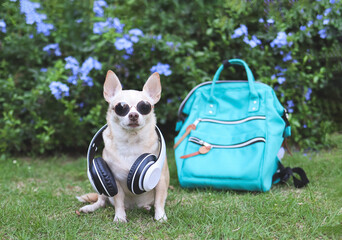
pixel 283 174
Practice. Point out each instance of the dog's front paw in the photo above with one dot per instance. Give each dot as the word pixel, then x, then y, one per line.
pixel 87 209
pixel 121 219
pixel 160 217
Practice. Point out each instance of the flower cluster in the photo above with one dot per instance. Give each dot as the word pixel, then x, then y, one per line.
pixel 243 31
pixel 125 41
pixel 173 46
pixel 59 89
pixel 32 16
pixel 308 94
pixel 280 74
pixel 162 69
pixel 54 47
pixel 2 26
pixel 290 106
pixel 280 40
pixel 83 71
pixel 98 8
pixel 102 27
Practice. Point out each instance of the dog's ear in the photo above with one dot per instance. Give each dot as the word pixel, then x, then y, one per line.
pixel 111 86
pixel 153 87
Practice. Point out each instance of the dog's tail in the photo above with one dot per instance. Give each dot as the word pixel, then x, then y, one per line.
pixel 89 197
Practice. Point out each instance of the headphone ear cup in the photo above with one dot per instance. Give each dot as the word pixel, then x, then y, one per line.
pixel 104 179
pixel 138 170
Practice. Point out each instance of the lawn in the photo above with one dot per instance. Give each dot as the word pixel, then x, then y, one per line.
pixel 38 202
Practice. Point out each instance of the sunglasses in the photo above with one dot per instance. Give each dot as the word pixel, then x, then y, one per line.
pixel 122 108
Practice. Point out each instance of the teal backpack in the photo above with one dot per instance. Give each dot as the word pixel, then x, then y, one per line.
pixel 229 135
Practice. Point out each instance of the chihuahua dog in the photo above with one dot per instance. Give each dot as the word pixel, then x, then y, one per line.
pixel 130 133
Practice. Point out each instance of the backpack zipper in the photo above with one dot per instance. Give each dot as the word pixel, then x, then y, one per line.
pixel 206 147
pixel 195 123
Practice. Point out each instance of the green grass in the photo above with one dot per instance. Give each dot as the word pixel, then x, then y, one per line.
pixel 38 202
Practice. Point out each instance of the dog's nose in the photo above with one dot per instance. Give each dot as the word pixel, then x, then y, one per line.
pixel 133 116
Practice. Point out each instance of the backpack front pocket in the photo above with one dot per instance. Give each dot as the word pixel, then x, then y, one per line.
pixel 224 157
pixel 232 127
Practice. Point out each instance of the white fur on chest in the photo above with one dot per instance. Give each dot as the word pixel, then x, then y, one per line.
pixel 121 152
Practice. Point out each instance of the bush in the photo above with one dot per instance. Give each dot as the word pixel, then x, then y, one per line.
pixel 55 54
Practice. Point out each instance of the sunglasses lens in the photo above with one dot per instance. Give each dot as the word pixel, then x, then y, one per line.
pixel 144 108
pixel 121 109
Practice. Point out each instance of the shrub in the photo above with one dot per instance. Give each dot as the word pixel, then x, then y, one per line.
pixel 55 54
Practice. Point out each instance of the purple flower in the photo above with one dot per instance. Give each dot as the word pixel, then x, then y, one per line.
pixel 170 44
pixel 126 57
pixel 89 64
pixel 280 40
pixel 98 8
pixel 281 80
pixel 282 70
pixel 72 79
pixel 261 20
pixel 87 80
pixel 43 69
pixel 134 35
pixel 288 57
pixel 253 42
pixel 99 27
pixel 116 24
pixel 242 30
pixel 81 104
pixel 59 89
pixel 325 21
pixel 102 27
pixel 304 126
pixel 44 28
pixel 327 11
pixel 129 51
pixel 270 21
pixel 290 106
pixel 319 17
pixel 136 32
pixel 2 26
pixel 322 33
pixel 162 69
pixel 72 63
pixel 158 37
pixel 123 43
pixel 290 103
pixel 302 28
pixel 307 94
pixel 134 39
pixel 53 46
pixel 29 9
pixel 310 23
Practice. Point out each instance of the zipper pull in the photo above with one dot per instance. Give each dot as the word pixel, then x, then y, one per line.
pixel 187 132
pixel 202 150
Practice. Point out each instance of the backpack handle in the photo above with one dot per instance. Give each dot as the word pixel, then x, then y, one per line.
pixel 253 96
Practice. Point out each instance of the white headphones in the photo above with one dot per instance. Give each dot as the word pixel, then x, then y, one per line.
pixel 143 176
